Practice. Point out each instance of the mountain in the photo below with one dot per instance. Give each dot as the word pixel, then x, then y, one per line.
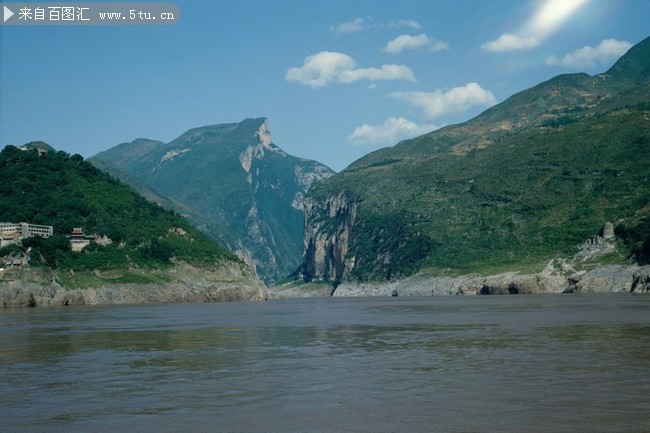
pixel 525 181
pixel 129 240
pixel 232 182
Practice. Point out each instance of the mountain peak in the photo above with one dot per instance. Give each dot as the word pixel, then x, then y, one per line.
pixel 264 133
pixel 634 66
pixel 257 151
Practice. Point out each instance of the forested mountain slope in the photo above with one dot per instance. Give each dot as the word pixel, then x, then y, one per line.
pixel 525 181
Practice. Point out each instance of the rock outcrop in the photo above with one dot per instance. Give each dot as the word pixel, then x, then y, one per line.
pixel 607 279
pixel 327 241
pixel 641 280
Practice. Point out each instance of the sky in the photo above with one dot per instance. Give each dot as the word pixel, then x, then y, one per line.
pixel 337 79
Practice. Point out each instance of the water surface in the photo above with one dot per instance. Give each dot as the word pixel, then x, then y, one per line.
pixel 449 364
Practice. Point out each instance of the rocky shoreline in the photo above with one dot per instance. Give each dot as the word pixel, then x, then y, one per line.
pixel 18 294
pixel 184 284
pixel 605 279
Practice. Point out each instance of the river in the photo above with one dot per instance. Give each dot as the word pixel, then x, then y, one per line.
pixel 553 363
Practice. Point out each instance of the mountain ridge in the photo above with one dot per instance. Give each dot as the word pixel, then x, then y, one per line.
pixel 524 108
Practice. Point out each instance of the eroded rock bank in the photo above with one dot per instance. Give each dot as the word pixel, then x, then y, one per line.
pixel 606 279
pixel 182 283
pixel 18 294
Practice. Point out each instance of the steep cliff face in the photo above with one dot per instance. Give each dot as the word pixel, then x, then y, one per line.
pixel 234 184
pixel 343 240
pixel 328 227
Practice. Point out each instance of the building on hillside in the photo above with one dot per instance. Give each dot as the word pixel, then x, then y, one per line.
pixel 13 233
pixel 9 237
pixel 607 231
pixel 79 240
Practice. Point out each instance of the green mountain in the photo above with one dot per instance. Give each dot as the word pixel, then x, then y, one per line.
pixel 232 182
pixel 141 240
pixel 527 180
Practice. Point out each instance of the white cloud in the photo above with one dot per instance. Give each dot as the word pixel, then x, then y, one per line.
pixel 390 132
pixel 409 42
pixel 588 56
pixel 438 45
pixel 405 23
pixel 443 102
pixel 323 68
pixel 320 69
pixel 356 25
pixel 360 24
pixel 509 42
pixel 386 72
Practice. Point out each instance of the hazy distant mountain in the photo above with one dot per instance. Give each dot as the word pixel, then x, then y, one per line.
pixel 232 182
pixel 526 180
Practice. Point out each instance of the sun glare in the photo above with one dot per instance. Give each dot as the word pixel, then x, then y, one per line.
pixel 552 14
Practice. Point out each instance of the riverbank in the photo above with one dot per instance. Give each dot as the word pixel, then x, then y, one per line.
pixel 19 294
pixel 182 283
pixel 605 279
pixel 192 285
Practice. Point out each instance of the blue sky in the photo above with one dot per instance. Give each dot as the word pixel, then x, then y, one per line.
pixel 337 79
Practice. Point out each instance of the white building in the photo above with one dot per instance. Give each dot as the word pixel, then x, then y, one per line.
pixel 11 233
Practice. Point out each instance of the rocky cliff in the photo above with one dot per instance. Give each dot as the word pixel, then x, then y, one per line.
pixel 327 240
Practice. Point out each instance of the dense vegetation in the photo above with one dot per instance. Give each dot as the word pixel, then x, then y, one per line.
pixel 54 188
pixel 526 181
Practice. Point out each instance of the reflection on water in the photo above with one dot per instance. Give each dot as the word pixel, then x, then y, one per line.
pixel 529 363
